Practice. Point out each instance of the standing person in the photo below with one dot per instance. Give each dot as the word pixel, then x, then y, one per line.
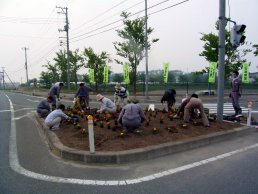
pixel 121 95
pixel 55 92
pixel 236 91
pixel 131 116
pixel 54 119
pixel 193 103
pixel 43 109
pixel 107 105
pixel 83 91
pixel 169 97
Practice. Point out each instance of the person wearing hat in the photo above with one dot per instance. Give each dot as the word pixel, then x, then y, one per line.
pixel 107 105
pixel 43 109
pixel 83 94
pixel 131 116
pixel 54 92
pixel 121 95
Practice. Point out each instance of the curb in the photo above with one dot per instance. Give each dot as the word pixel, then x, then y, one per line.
pixel 135 154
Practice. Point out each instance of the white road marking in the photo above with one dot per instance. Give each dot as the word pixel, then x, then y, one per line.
pixel 33 100
pixel 5 110
pixel 15 165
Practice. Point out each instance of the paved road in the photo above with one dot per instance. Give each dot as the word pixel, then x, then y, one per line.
pixel 27 166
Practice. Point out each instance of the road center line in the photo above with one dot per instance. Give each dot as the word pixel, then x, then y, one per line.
pixel 15 165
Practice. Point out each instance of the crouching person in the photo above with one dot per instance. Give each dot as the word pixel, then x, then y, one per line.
pixel 43 108
pixel 131 116
pixel 107 106
pixel 54 119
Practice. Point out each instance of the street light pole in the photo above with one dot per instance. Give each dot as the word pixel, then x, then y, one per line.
pixel 146 53
pixel 221 75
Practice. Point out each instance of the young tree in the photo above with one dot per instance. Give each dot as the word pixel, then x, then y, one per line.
pixel 233 57
pixel 61 64
pixel 76 62
pixel 96 62
pixel 133 46
pixel 255 46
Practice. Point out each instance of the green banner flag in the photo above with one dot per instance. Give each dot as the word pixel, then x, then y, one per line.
pixel 92 78
pixel 166 67
pixel 245 73
pixel 106 70
pixel 126 73
pixel 212 72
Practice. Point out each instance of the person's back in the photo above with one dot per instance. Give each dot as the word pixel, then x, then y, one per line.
pixel 131 116
pixel 169 97
pixel 44 104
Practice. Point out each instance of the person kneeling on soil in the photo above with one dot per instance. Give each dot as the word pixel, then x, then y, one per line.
pixel 43 108
pixel 131 116
pixel 107 105
pixel 54 119
pixel 169 97
pixel 79 103
pixel 193 103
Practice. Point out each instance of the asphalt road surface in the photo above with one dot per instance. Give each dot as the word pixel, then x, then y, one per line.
pixel 27 165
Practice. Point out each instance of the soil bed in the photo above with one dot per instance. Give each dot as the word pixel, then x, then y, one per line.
pixel 161 129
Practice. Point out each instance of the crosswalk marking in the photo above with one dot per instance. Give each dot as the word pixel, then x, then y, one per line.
pixel 227 108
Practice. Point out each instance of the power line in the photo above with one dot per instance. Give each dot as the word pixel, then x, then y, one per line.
pixel 134 5
pixel 101 14
pixel 174 5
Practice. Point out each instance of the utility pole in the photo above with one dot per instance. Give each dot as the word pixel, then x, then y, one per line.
pixel 4 72
pixel 221 75
pixel 66 29
pixel 26 66
pixel 3 77
pixel 146 53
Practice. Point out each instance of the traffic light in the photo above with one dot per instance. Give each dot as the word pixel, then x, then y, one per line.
pixel 237 35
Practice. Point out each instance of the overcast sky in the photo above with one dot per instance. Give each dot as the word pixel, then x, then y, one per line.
pixel 34 24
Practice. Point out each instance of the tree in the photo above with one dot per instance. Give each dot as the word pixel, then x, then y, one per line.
pixel 96 62
pixel 45 79
pixel 233 57
pixel 255 46
pixel 76 62
pixel 61 64
pixel 133 46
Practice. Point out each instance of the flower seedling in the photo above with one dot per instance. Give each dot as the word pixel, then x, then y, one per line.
pixel 184 125
pixel 147 122
pixel 101 124
pixel 161 120
pixel 171 117
pixel 83 131
pixel 155 130
pixel 78 126
pixel 108 125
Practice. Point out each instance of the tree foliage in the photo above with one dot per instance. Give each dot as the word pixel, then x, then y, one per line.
pixel 132 48
pixel 97 62
pixel 233 57
pixel 255 46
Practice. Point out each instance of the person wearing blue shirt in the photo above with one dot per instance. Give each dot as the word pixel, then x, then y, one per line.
pixel 83 94
pixel 43 108
pixel 54 92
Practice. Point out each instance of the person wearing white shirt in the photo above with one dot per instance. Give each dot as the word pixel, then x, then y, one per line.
pixel 54 119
